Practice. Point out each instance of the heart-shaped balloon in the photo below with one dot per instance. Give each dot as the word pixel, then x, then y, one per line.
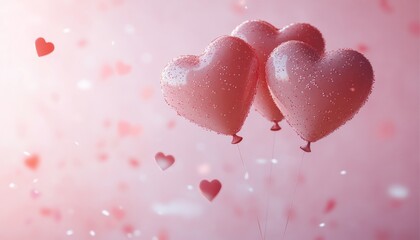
pixel 164 161
pixel 43 48
pixel 317 93
pixel 264 37
pixel 214 90
pixel 210 189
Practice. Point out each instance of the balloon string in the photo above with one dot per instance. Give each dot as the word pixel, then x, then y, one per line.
pixel 259 227
pixel 293 198
pixel 269 181
pixel 246 177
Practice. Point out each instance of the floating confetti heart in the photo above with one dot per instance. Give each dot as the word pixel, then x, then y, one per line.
pixel 32 162
pixel 122 68
pixel 134 162
pixel 126 129
pixel 118 212
pixel 164 161
pixel 106 72
pixel 43 48
pixel 55 214
pixel 385 6
pixel 330 205
pixel 210 189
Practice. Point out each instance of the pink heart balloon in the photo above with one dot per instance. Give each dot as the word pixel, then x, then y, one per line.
pixel 264 37
pixel 214 90
pixel 317 93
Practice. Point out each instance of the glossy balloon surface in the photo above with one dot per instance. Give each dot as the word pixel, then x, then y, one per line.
pixel 214 90
pixel 318 93
pixel 264 37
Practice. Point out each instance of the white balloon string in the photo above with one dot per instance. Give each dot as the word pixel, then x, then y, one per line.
pixel 246 176
pixel 259 227
pixel 267 206
pixel 293 198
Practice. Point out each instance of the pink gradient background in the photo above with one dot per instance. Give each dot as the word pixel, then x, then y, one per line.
pixel 93 109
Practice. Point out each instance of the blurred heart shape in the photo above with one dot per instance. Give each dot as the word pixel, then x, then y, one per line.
pixel 317 93
pixel 264 37
pixel 210 189
pixel 122 68
pixel 164 161
pixel 42 47
pixel 32 162
pixel 214 90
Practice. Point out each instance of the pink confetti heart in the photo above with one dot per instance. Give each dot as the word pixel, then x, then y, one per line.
pixel 330 205
pixel 210 189
pixel 32 162
pixel 164 161
pixel 128 129
pixel 122 68
pixel 317 93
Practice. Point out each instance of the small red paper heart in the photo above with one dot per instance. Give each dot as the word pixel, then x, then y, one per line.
pixel 164 161
pixel 43 48
pixel 32 162
pixel 210 189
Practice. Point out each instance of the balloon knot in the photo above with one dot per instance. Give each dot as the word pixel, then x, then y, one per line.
pixel 236 139
pixel 307 148
pixel 275 127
